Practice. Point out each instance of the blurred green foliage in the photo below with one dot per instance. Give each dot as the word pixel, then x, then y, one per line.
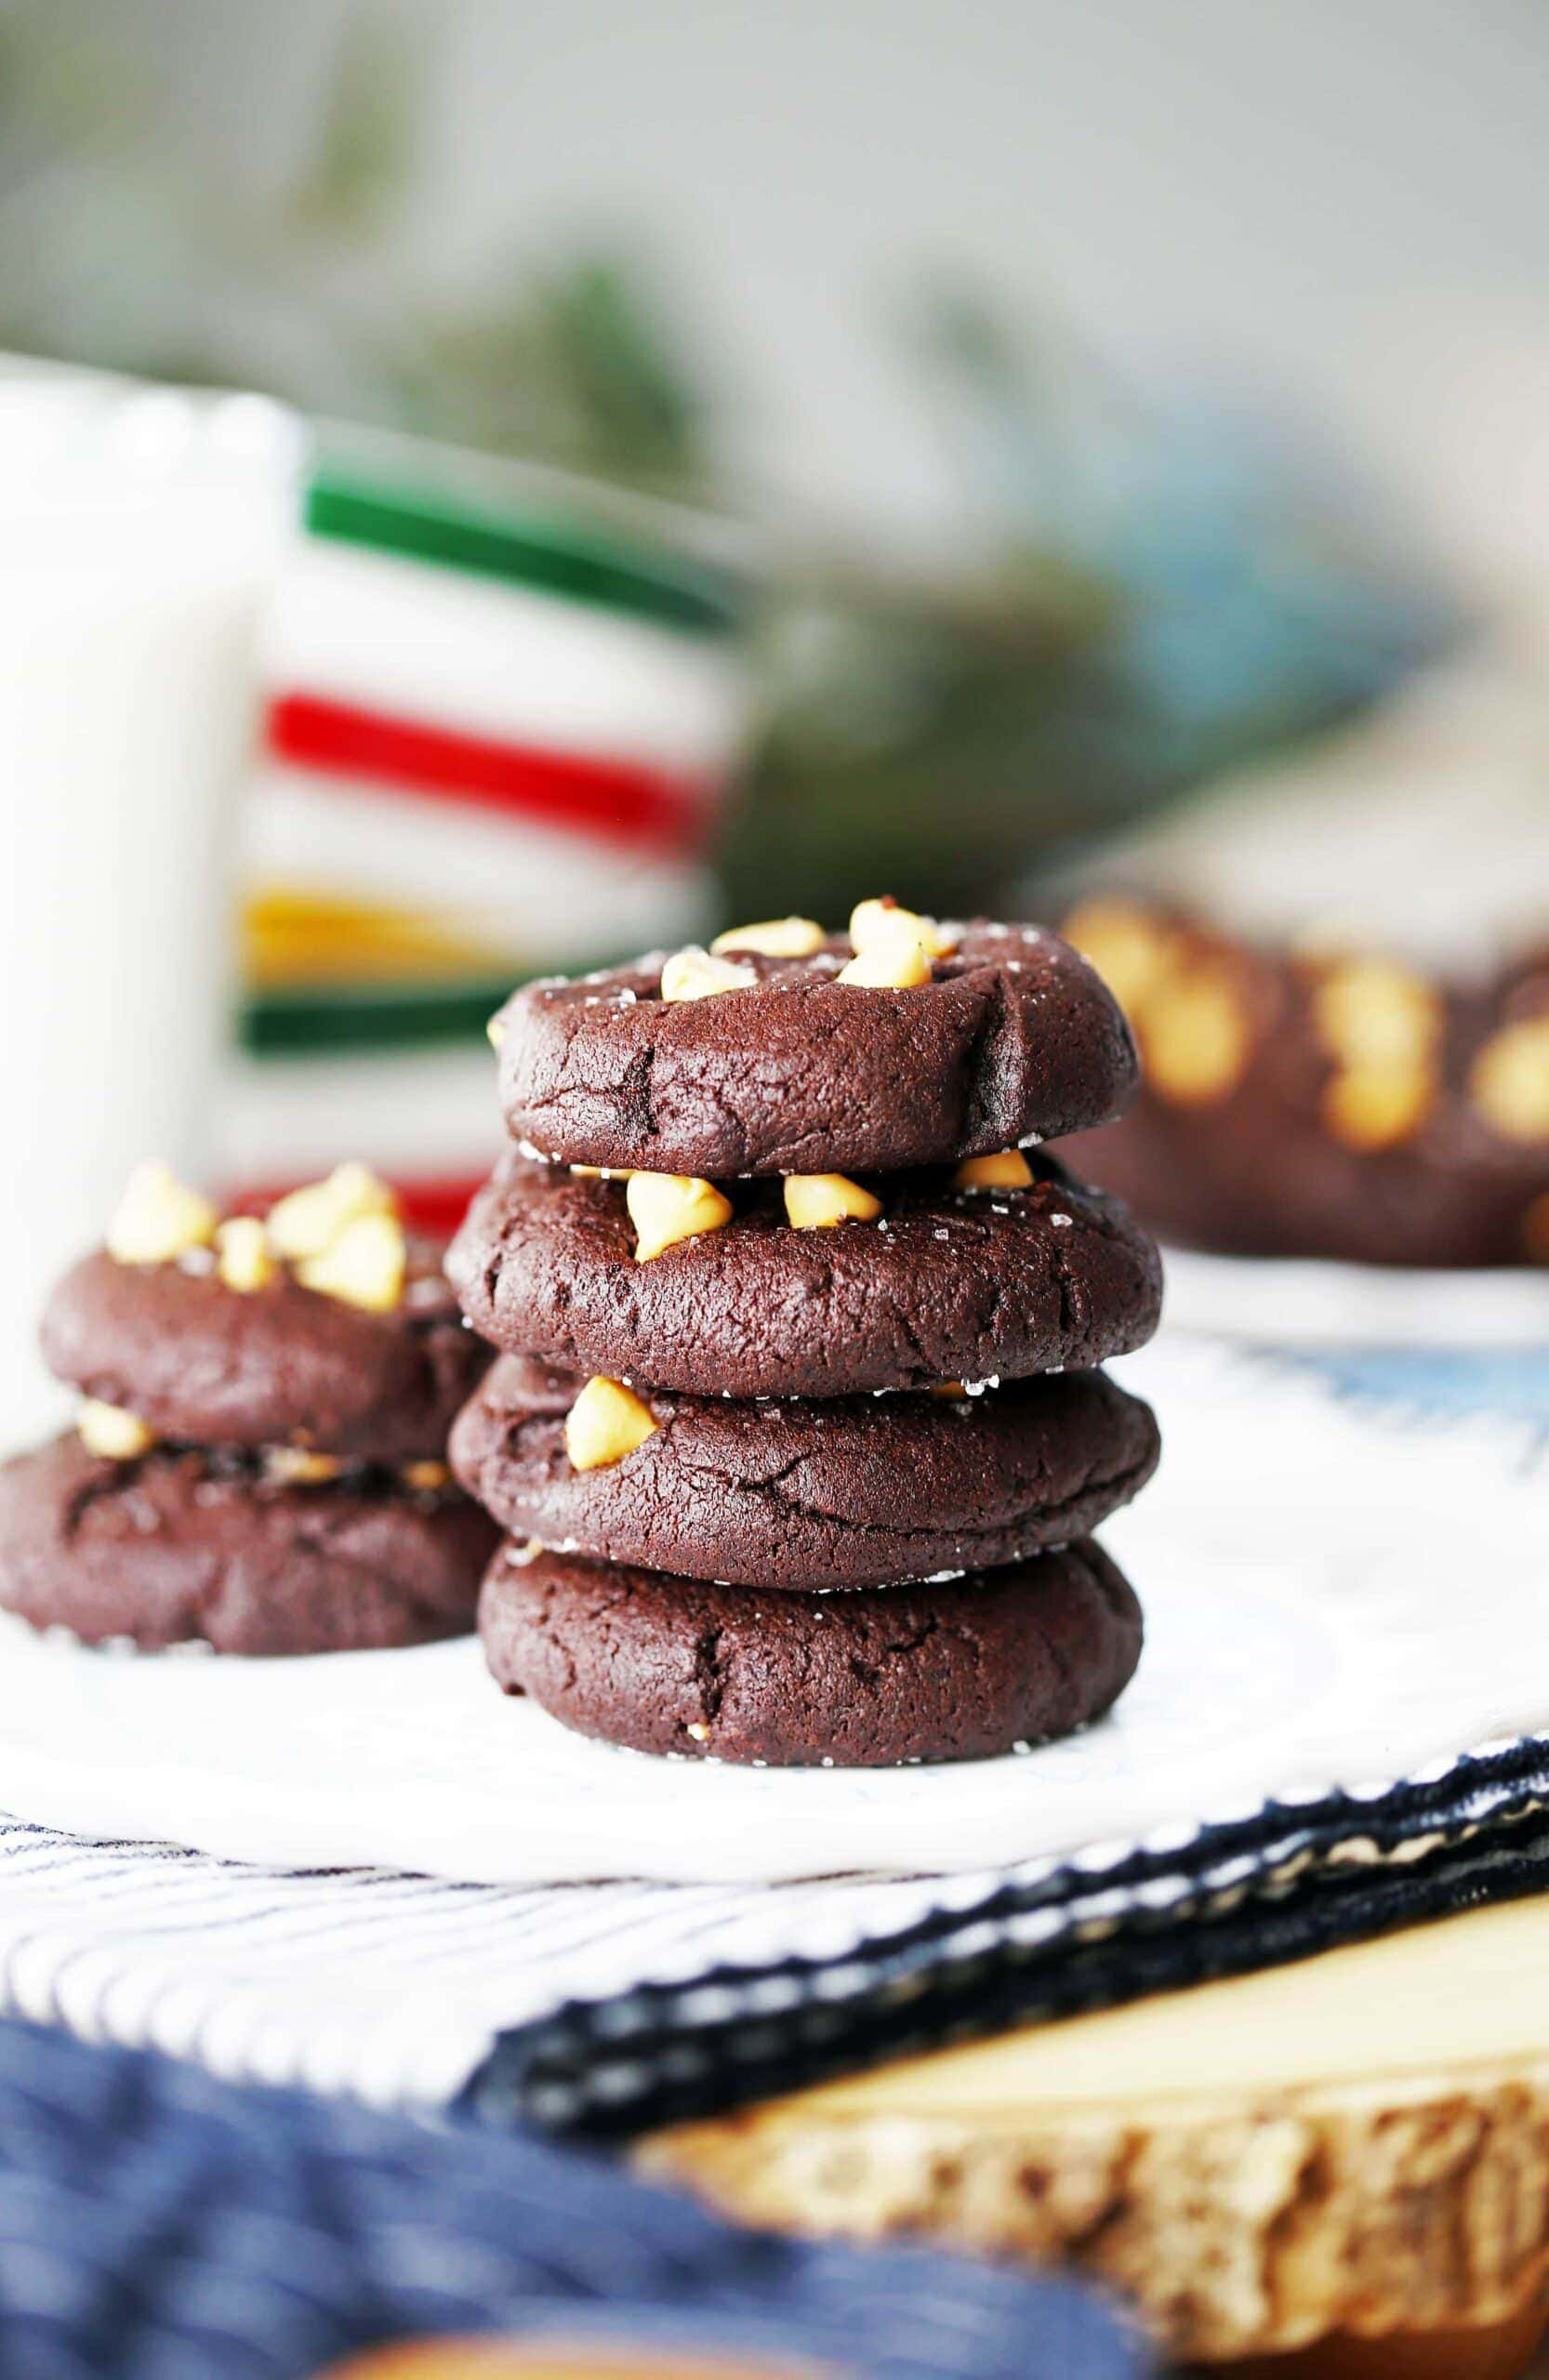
pixel 1144 594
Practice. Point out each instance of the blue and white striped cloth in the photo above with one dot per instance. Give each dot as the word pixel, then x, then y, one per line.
pixel 391 1987
pixel 601 2006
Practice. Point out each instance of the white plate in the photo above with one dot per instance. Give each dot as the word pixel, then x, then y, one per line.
pixel 1289 1302
pixel 1331 1598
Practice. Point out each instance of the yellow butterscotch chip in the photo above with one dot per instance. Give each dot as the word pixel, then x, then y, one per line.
pixel 894 958
pixel 775 938
pixel 425 1478
pixel 158 1217
pixel 1509 1081
pixel 1374 1012
pixel 363 1266
pixel 108 1431
pixel 309 1219
pixel 1008 1169
pixel 494 1031
pixel 816 1201
pixel 872 922
pixel 301 1466
pixel 696 974
pixel 606 1423
pixel 666 1208
pixel 243 1258
pixel 1131 949
pixel 1371 1106
pixel 1195 1037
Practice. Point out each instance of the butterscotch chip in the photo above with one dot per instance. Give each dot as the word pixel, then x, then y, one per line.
pixel 1194 1037
pixel 364 1267
pixel 897 960
pixel 1131 949
pixel 1009 1169
pixel 425 1478
pixel 774 938
pixel 108 1431
pixel 243 1258
pixel 1509 1082
pixel 666 1208
pixel 158 1219
pixel 311 1219
pixel 1373 1105
pixel 697 975
pixel 606 1423
pixel 874 921
pixel 1374 1012
pixel 302 1466
pixel 818 1201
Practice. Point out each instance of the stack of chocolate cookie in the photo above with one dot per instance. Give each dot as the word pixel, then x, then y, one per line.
pixel 798 1429
pixel 260 1459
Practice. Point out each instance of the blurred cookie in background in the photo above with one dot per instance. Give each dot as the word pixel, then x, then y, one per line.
pixel 1337 1103
pixel 1338 978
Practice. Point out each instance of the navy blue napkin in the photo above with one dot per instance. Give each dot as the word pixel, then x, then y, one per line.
pixel 156 2224
pixel 1286 1881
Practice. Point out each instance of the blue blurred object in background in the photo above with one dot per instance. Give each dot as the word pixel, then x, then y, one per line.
pixel 157 2224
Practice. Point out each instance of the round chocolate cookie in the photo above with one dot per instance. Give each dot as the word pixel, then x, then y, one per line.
pixel 957 1671
pixel 282 1364
pixel 181 1545
pixel 1014 1040
pixel 858 1492
pixel 948 1285
pixel 1343 1104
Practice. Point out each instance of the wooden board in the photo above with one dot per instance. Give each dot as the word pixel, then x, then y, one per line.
pixel 1358 2145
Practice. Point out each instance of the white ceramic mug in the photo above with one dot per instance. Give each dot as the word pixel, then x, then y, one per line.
pixel 139 530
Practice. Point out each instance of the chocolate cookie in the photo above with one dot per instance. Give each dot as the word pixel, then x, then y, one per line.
pixel 183 1546
pixel 200 1362
pixel 958 1671
pixel 857 1492
pixel 1014 1040
pixel 947 1284
pixel 1341 1106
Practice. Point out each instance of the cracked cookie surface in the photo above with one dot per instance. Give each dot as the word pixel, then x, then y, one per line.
pixel 949 1671
pixel 948 1285
pixel 181 1545
pixel 1013 1038
pixel 860 1491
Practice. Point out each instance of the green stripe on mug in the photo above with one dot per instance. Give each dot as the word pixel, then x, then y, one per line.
pixel 558 558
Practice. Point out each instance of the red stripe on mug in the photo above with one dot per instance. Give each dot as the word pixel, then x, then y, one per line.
pixel 619 801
